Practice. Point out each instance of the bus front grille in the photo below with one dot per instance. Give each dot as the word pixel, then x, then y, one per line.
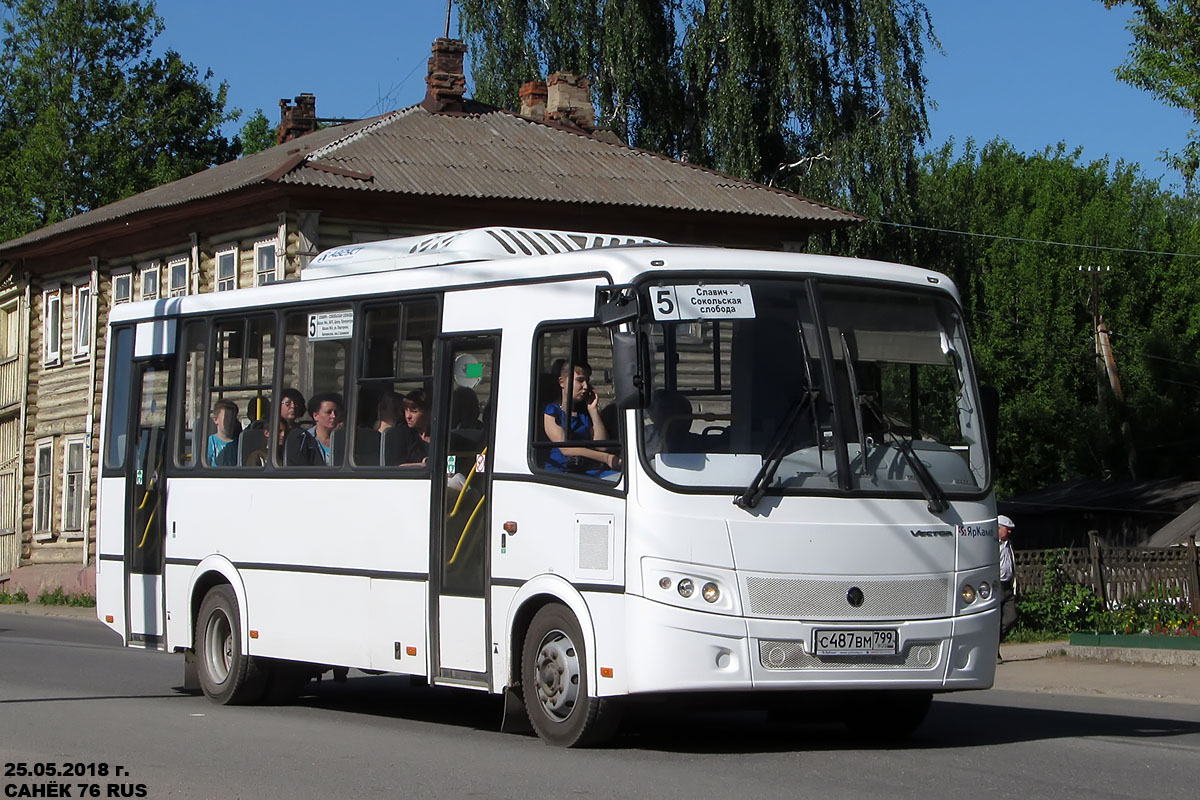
pixel 792 655
pixel 813 598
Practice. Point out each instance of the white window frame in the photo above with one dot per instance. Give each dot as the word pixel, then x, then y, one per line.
pixel 174 290
pixel 81 298
pixel 43 484
pixel 263 277
pixel 229 283
pixel 52 324
pixel 79 486
pixel 125 277
pixel 145 271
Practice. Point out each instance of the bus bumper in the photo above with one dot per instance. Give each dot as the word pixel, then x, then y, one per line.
pixel 674 649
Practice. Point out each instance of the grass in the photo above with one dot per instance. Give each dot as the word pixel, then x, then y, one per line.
pixel 1021 635
pixel 7 599
pixel 60 598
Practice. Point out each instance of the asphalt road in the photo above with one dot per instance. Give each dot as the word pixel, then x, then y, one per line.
pixel 69 695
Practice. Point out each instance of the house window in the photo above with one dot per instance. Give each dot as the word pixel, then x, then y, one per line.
pixel 122 288
pixel 82 341
pixel 72 519
pixel 266 263
pixel 10 331
pixel 42 479
pixel 177 277
pixel 51 326
pixel 150 281
pixel 227 269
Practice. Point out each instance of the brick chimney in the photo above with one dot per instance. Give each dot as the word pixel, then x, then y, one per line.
pixel 445 80
pixel 569 100
pixel 533 100
pixel 296 120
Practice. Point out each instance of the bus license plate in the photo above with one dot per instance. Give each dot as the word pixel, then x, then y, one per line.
pixel 856 642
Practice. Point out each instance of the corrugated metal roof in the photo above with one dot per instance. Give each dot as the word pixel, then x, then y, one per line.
pixel 500 155
pixel 493 154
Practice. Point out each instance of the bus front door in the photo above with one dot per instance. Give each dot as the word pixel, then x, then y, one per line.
pixel 461 515
pixel 145 508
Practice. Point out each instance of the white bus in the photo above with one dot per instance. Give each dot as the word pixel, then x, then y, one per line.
pixel 575 469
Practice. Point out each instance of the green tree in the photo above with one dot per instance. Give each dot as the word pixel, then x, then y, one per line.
pixel 1027 303
pixel 87 116
pixel 1164 60
pixel 826 97
pixel 257 134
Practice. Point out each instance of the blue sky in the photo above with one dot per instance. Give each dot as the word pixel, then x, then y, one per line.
pixel 1034 72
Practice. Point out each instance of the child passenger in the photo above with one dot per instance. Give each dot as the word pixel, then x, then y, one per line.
pixel 225 421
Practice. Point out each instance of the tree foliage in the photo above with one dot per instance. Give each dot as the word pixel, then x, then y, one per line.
pixel 1164 60
pixel 257 134
pixel 823 96
pixel 88 116
pixel 1028 303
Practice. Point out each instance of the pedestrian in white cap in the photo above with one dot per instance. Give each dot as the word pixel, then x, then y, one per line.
pixel 1008 597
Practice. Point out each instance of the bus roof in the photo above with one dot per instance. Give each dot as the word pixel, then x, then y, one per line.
pixel 455 261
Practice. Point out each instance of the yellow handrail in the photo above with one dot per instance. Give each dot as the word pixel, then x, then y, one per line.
pixel 466 483
pixel 463 536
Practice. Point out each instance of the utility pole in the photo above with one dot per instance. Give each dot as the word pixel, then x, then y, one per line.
pixel 1106 371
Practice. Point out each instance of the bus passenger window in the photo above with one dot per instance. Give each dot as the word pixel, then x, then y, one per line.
pixel 575 426
pixel 194 420
pixel 390 415
pixel 242 372
pixel 315 363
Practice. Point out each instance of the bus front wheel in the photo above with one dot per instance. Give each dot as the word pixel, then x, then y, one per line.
pixel 555 683
pixel 227 675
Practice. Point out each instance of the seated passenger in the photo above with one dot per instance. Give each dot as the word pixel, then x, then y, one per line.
pixel 581 423
pixel 225 421
pixel 416 418
pixel 314 446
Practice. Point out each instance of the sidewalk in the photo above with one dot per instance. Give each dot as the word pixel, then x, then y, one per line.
pixel 1057 668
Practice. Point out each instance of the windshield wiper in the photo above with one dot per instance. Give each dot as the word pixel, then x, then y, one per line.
pixel 766 473
pixel 934 496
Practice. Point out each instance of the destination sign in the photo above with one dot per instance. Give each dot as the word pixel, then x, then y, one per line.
pixel 702 301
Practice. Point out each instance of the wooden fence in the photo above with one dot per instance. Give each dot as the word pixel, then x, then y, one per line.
pixel 1118 574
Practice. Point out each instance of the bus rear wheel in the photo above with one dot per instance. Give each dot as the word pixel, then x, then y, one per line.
pixel 227 675
pixel 555 683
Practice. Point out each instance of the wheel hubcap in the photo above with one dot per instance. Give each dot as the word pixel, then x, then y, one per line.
pixel 218 646
pixel 557 675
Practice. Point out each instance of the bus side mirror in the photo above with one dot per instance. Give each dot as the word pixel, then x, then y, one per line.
pixel 627 380
pixel 989 404
pixel 615 304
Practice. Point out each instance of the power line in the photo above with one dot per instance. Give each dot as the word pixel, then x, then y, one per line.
pixel 388 96
pixel 1024 240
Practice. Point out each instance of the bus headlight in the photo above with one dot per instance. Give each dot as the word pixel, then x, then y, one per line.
pixel 686 587
pixel 664 582
pixel 710 592
pixel 968 593
pixel 985 590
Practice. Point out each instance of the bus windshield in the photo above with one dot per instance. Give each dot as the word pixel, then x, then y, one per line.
pixel 879 398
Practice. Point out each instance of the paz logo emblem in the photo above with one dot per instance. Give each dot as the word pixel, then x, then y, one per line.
pixel 855 596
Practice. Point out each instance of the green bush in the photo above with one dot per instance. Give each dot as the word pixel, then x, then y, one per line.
pixel 60 598
pixel 17 597
pixel 1057 605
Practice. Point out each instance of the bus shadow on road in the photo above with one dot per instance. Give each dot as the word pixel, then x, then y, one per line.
pixel 685 726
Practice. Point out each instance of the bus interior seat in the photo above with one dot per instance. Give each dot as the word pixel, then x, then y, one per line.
pixel 252 447
pixel 368 444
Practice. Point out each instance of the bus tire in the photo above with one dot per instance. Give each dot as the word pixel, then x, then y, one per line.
pixel 227 675
pixel 555 684
pixel 886 716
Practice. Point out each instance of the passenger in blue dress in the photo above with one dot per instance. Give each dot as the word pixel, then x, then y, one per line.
pixel 583 423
